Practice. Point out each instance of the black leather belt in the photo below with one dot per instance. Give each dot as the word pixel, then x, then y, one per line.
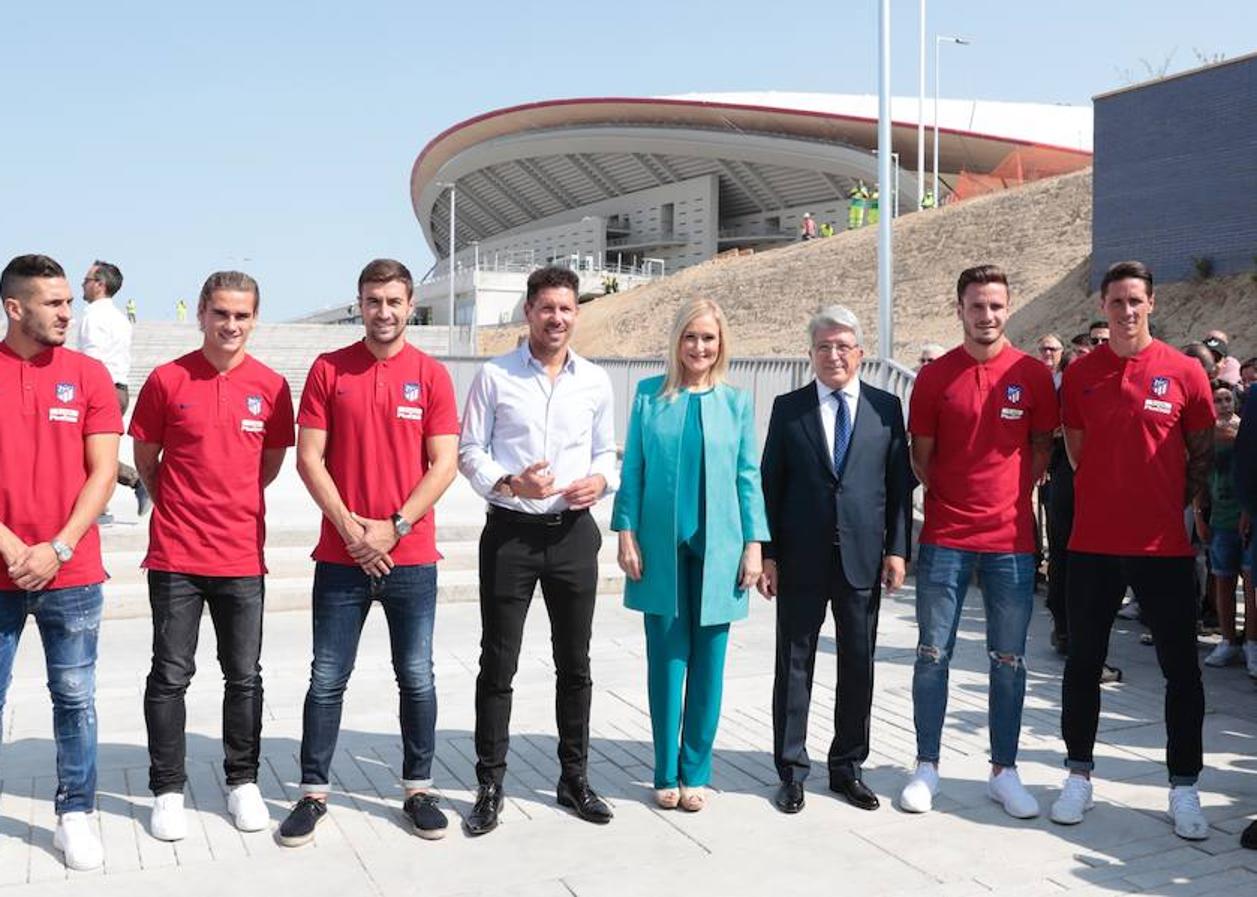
pixel 507 515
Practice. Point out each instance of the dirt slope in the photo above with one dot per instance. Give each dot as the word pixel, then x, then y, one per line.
pixel 1041 234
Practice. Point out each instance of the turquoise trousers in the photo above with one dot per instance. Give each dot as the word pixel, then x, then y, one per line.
pixel 685 665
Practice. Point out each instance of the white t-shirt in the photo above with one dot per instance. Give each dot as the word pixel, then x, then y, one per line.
pixel 105 334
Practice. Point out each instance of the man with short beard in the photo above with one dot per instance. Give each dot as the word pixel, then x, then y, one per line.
pixel 981 420
pixel 538 442
pixel 211 429
pixel 58 460
pixel 377 446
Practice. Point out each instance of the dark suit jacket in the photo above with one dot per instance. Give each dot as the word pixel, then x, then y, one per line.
pixel 874 506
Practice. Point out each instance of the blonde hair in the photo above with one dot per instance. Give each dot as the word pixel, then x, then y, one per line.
pixel 685 316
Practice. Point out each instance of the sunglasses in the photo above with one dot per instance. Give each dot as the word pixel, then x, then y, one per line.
pixel 1099 340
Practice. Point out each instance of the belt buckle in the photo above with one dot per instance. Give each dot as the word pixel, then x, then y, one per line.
pixel 555 519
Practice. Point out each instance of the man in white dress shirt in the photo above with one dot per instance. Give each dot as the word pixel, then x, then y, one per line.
pixel 538 442
pixel 105 334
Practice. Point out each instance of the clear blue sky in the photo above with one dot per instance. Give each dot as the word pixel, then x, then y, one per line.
pixel 278 137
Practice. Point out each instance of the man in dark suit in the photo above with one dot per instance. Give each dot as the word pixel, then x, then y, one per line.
pixel 837 486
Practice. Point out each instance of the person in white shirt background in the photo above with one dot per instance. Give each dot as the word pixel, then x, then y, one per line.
pixel 105 334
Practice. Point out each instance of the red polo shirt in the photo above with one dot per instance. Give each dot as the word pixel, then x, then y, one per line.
pixel 980 416
pixel 49 405
pixel 1132 477
pixel 377 415
pixel 209 513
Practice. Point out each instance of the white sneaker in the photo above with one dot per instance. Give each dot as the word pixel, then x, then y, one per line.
pixel 168 822
pixel 248 810
pixel 1006 789
pixel 918 795
pixel 76 838
pixel 1075 800
pixel 1189 820
pixel 1129 610
pixel 1223 655
pixel 1250 658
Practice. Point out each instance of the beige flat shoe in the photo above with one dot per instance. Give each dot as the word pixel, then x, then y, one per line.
pixel 667 798
pixel 693 799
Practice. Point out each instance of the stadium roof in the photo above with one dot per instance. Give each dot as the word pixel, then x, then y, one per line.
pixel 518 165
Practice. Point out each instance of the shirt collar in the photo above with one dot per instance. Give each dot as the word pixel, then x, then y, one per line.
pixel 529 361
pixel 851 390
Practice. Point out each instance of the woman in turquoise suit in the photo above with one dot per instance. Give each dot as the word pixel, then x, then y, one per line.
pixel 690 516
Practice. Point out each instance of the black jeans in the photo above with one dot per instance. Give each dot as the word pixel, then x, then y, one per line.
pixel 1060 524
pixel 515 554
pixel 235 604
pixel 1166 590
pixel 798 627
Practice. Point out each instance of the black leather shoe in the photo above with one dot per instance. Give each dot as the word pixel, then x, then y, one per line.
pixel 789 797
pixel 484 814
pixel 857 793
pixel 578 796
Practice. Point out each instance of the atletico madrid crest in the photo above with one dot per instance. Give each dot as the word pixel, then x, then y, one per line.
pixel 65 392
pixel 1160 385
pixel 254 404
pixel 1013 393
pixel 410 392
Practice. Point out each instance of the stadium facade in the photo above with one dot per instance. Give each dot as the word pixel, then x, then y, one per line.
pixel 628 188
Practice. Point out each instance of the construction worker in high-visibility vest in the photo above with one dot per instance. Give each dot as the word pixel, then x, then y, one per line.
pixel 827 229
pixel 927 200
pixel 874 215
pixel 857 199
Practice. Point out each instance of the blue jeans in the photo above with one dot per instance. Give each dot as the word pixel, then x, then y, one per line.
pixel 1007 582
pixel 342 597
pixel 69 623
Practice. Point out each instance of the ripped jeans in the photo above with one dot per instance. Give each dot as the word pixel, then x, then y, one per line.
pixel 69 622
pixel 1007 583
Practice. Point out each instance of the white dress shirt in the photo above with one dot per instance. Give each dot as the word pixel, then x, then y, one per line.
pixel 515 417
pixel 105 334
pixel 829 409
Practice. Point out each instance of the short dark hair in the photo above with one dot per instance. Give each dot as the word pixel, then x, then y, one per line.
pixel 1081 340
pixel 1094 324
pixel 1248 363
pixel 384 271
pixel 1125 271
pixel 109 275
pixel 228 280
pixel 23 268
pixel 552 276
pixel 979 274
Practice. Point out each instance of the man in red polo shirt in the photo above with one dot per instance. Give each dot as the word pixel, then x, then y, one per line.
pixel 210 430
pixel 378 445
pixel 1138 419
pixel 981 420
pixel 58 460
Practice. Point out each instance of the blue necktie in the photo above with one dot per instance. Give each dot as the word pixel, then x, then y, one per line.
pixel 842 433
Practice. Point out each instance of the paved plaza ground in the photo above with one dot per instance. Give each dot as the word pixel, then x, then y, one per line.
pixel 739 845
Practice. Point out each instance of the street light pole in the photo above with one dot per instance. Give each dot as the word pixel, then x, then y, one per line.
pixel 452 185
pixel 939 40
pixel 885 290
pixel 921 110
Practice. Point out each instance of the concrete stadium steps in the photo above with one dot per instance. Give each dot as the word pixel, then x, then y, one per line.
pixel 288 348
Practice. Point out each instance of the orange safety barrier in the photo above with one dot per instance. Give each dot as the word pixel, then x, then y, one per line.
pixel 1021 166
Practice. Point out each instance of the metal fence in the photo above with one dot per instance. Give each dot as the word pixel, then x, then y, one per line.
pixel 764 378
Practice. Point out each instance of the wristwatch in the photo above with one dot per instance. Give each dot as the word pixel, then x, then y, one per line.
pixel 401 525
pixel 503 486
pixel 63 551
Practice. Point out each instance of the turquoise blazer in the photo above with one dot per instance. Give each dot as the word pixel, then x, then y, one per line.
pixel 646 502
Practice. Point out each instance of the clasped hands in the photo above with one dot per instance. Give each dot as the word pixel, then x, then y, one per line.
pixel 536 481
pixel 629 557
pixel 31 567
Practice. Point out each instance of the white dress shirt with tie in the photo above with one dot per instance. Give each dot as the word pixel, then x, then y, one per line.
pixel 515 416
pixel 829 409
